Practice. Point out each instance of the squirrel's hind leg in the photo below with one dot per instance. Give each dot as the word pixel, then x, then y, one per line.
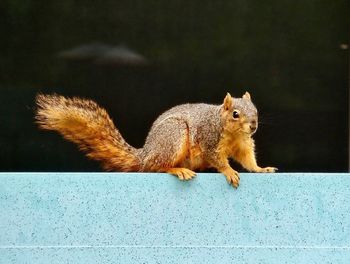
pixel 182 173
pixel 166 147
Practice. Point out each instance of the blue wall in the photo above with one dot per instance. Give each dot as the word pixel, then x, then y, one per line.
pixel 155 218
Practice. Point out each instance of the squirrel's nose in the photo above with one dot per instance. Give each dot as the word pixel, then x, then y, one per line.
pixel 253 126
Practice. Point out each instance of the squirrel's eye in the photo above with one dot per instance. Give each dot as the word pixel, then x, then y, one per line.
pixel 235 114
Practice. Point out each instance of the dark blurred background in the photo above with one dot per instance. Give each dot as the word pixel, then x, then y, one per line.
pixel 137 58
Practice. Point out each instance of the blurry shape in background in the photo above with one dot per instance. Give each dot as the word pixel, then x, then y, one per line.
pixel 104 54
pixel 121 55
pixel 344 46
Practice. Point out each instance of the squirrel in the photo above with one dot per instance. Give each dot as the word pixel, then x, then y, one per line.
pixel 182 140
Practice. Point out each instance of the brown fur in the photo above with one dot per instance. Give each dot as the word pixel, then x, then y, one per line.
pixel 88 125
pixel 184 139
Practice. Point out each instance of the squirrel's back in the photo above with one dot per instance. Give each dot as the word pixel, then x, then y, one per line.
pixel 193 114
pixel 197 116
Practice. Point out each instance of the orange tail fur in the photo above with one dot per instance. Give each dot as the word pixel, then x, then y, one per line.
pixel 88 125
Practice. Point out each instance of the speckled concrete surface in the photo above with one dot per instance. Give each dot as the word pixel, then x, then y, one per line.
pixel 154 218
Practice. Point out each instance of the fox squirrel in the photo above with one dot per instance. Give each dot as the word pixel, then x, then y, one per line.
pixel 184 139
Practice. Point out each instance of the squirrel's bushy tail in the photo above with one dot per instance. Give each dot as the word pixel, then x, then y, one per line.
pixel 88 125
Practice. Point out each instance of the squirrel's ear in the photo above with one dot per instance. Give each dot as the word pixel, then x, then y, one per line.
pixel 246 96
pixel 228 102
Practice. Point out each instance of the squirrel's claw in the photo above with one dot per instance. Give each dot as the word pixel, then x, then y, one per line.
pixel 232 177
pixel 182 173
pixel 269 169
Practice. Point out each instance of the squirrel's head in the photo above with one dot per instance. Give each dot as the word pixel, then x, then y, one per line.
pixel 239 115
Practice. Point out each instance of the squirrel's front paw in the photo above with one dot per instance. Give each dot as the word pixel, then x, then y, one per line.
pixel 268 169
pixel 232 177
pixel 183 173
